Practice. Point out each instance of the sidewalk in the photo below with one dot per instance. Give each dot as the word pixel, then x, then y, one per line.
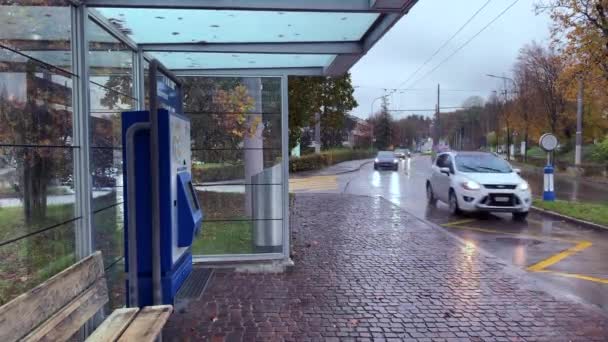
pixel 365 269
pixel 337 169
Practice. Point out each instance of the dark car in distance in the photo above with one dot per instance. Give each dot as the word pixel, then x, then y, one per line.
pixel 386 160
pixel 402 153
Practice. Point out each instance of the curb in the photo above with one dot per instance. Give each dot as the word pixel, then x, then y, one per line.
pixel 569 218
pixel 316 172
pixel 352 170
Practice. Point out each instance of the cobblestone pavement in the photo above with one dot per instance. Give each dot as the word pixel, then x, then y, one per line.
pixel 367 270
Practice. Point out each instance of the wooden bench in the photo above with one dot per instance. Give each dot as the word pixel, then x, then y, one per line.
pixel 57 309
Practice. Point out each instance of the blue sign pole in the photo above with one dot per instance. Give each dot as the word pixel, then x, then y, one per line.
pixel 549 190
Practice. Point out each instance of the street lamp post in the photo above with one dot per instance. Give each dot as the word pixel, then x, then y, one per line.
pixel 505 79
pixel 371 114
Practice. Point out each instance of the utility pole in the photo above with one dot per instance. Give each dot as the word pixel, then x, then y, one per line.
pixel 437 117
pixel 317 133
pixel 579 123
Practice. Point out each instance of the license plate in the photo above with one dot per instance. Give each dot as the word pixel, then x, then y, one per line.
pixel 502 199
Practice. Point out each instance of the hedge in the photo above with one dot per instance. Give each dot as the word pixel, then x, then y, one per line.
pixel 202 173
pixel 217 173
pixel 589 169
pixel 327 158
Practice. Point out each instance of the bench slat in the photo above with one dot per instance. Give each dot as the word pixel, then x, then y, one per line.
pixel 114 325
pixel 19 316
pixel 65 323
pixel 147 324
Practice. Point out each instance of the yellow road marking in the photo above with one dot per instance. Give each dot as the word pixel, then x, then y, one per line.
pixel 314 183
pixel 577 276
pixel 456 223
pixel 542 265
pixel 539 266
pixel 526 236
pixel 314 178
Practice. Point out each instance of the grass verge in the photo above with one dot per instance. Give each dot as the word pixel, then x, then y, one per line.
pixel 224 237
pixel 592 212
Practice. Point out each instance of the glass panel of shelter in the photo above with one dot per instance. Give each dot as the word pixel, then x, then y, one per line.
pixel 37 147
pixel 237 160
pixel 148 25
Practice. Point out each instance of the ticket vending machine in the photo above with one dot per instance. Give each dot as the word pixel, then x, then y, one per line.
pixel 165 267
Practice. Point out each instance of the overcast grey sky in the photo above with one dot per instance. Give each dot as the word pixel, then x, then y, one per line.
pixel 420 33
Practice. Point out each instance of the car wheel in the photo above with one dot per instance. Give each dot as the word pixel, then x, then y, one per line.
pixel 430 196
pixel 454 208
pixel 520 216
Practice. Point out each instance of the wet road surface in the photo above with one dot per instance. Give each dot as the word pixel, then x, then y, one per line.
pixel 570 189
pixel 567 257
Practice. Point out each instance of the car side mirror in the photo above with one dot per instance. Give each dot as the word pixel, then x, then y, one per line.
pixel 445 170
pixel 518 171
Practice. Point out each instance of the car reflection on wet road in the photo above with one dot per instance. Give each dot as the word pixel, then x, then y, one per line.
pixel 568 258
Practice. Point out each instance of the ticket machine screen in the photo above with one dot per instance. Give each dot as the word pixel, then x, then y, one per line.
pixel 192 197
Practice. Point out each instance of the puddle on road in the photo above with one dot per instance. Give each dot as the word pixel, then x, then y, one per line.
pixel 518 241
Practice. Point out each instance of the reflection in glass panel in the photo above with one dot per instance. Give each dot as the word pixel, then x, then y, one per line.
pixel 229 202
pixel 106 177
pixel 30 261
pixel 230 131
pixel 236 162
pixel 214 26
pixel 36 189
pixel 207 60
pixel 233 112
pixel 146 84
pixel 111 61
pixel 35 103
pixel 40 29
pixel 116 278
pixel 106 129
pixel 228 166
pixel 109 233
pixel 105 100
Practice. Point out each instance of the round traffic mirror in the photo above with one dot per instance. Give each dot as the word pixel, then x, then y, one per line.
pixel 548 142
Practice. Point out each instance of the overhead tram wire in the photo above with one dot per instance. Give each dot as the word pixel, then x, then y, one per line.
pixel 467 42
pixel 445 44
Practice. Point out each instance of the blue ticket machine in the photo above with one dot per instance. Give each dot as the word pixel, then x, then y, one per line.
pixel 180 213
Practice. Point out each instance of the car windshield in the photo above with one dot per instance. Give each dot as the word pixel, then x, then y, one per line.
pixel 482 163
pixel 386 154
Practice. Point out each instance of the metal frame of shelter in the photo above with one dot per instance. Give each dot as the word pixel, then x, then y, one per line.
pixel 347 53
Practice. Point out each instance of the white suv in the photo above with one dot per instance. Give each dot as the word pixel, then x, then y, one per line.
pixel 478 181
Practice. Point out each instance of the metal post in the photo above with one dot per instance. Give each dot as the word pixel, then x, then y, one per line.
pixel 285 161
pixel 438 119
pixel 132 211
pixel 317 133
pixel 138 79
pixel 81 105
pixel 154 186
pixel 579 123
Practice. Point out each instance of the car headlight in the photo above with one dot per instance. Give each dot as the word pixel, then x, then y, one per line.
pixel 524 186
pixel 395 161
pixel 376 160
pixel 470 185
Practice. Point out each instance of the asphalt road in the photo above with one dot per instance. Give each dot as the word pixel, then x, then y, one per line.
pixel 568 258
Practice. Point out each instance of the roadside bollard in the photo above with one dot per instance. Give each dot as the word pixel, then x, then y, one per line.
pixel 549 190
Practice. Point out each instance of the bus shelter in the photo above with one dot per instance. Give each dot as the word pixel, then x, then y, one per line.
pixel 69 68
